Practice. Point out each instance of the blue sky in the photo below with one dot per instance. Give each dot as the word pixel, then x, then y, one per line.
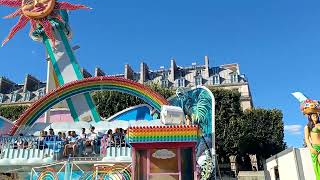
pixel 276 43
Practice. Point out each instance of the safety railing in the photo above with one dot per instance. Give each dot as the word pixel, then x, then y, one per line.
pixel 48 149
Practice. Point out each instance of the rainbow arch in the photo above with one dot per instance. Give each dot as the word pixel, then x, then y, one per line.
pixel 87 85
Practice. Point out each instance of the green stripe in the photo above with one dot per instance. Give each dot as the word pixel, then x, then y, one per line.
pixel 78 73
pixel 72 110
pixel 60 78
pixel 70 54
pixel 95 114
pixel 53 60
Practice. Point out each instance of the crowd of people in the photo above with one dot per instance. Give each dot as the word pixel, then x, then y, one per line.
pixel 83 143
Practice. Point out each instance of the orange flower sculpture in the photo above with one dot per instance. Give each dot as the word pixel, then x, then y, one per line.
pixel 37 12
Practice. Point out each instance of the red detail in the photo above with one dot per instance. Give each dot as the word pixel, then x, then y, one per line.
pixel 69 6
pixel 57 16
pixel 33 25
pixel 14 14
pixel 45 23
pixel 11 3
pixel 163 145
pixel 23 20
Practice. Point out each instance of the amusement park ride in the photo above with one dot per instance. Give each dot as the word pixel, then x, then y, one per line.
pixel 151 148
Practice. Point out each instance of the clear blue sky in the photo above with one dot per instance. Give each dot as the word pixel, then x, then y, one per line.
pixel 276 43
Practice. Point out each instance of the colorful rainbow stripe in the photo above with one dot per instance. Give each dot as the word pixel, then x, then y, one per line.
pixel 48 174
pixel 83 86
pixel 104 172
pixel 181 133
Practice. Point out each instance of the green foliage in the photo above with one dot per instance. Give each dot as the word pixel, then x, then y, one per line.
pixel 228 109
pixel 109 103
pixel 12 112
pixel 165 92
pixel 261 132
pixel 207 168
pixel 256 131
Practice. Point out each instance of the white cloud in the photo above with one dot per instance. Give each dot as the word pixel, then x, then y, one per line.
pixel 163 154
pixel 293 129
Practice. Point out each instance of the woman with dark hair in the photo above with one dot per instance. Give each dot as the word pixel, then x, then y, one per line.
pixel 312 133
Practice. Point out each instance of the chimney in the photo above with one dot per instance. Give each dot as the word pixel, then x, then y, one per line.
pixel 144 72
pixel 128 72
pixel 6 86
pixel 85 73
pixel 31 83
pixel 99 72
pixel 173 68
pixel 206 67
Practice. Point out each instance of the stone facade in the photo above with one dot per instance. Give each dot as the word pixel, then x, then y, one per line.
pixel 226 76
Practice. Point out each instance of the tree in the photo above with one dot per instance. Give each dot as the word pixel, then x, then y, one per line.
pixel 12 112
pixel 256 131
pixel 261 132
pixel 228 109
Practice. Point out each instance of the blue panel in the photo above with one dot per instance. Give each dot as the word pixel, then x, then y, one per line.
pixel 135 113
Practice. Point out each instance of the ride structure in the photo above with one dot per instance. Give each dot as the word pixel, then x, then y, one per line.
pixel 169 148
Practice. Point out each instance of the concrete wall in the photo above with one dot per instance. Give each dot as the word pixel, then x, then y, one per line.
pixel 251 175
pixel 293 164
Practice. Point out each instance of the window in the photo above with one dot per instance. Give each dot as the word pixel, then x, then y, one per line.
pixel 27 96
pixel 181 82
pixel 165 83
pixel 41 92
pixel 1 98
pixel 198 72
pixel 216 70
pixel 234 78
pixel 198 81
pixel 216 79
pixel 14 97
pixel 165 75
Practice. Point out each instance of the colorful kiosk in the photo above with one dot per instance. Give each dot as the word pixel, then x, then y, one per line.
pixel 164 152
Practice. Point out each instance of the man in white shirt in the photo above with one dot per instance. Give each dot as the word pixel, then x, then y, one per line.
pixel 92 138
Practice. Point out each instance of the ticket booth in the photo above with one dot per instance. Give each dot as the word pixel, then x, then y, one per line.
pixel 164 152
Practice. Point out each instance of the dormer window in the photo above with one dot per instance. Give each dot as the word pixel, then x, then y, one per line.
pixel 27 96
pixel 165 83
pixel 165 75
pixel 216 70
pixel 198 72
pixel 198 80
pixel 216 79
pixel 181 82
pixel 234 78
pixel 41 92
pixel 14 97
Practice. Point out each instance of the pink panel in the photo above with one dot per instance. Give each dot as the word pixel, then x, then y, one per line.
pixel 58 116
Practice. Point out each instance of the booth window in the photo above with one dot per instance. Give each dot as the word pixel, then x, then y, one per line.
pixel 186 164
